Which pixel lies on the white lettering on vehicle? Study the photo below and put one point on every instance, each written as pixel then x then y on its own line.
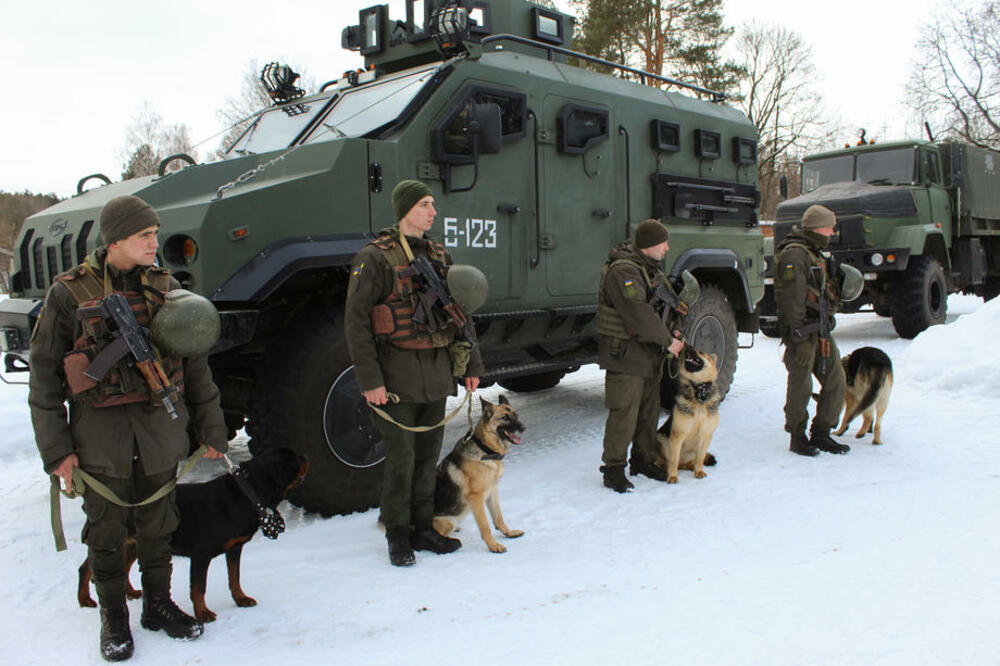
pixel 470 232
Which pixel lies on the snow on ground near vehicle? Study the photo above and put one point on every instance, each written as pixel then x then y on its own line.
pixel 884 556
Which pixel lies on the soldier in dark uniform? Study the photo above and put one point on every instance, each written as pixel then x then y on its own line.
pixel 394 354
pixel 116 430
pixel 633 344
pixel 802 278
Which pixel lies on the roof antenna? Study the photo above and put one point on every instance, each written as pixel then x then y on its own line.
pixel 930 135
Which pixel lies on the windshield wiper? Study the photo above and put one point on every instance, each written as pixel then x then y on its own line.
pixel 334 128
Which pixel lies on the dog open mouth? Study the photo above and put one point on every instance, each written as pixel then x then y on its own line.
pixel 507 432
pixel 692 362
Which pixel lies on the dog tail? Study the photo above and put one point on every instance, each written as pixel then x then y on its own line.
pixel 876 377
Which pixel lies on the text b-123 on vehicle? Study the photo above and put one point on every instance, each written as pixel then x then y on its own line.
pixel 473 233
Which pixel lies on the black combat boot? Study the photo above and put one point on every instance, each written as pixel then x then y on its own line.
pixel 425 537
pixel 160 612
pixel 400 551
pixel 801 445
pixel 116 637
pixel 821 440
pixel 614 478
pixel 639 463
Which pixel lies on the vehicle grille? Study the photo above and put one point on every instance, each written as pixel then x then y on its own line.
pixel 40 263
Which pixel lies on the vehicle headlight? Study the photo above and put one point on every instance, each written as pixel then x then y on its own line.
pixel 876 259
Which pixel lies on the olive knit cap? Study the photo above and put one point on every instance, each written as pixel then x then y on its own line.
pixel 817 217
pixel 124 216
pixel 649 233
pixel 406 194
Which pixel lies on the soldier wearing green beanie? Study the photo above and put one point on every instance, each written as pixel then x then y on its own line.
pixel 392 353
pixel 115 429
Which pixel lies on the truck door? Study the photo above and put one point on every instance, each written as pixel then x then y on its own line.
pixel 578 197
pixel 938 202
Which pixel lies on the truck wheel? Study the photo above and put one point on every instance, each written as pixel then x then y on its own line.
pixel 991 289
pixel 710 326
pixel 767 308
pixel 536 382
pixel 306 398
pixel 919 297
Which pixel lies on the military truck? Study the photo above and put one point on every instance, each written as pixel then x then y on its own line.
pixel 539 167
pixel 919 219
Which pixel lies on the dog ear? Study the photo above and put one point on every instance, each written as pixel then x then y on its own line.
pixel 487 407
pixel 714 357
pixel 503 399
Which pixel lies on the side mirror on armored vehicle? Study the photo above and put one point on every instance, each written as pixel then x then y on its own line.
pixel 485 128
pixel 783 187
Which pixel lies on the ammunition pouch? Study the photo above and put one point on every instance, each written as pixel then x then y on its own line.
pixel 460 352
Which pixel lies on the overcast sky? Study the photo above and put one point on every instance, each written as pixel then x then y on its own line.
pixel 78 72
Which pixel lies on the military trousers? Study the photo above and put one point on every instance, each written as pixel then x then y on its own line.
pixel 108 525
pixel 633 411
pixel 799 391
pixel 410 463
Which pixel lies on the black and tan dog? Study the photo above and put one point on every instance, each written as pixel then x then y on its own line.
pixel 468 477
pixel 686 435
pixel 217 517
pixel 869 383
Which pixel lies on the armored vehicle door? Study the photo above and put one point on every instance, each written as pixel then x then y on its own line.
pixel 579 212
pixel 939 206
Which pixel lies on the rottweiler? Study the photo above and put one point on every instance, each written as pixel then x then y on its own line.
pixel 217 517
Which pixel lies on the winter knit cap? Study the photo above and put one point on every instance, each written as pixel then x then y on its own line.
pixel 817 217
pixel 405 196
pixel 124 216
pixel 649 233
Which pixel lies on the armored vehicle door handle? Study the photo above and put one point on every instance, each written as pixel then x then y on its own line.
pixel 601 212
pixel 508 208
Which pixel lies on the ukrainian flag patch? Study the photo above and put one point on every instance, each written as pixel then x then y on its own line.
pixel 357 269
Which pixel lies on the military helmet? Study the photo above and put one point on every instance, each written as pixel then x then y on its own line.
pixel 186 325
pixel 851 284
pixel 468 286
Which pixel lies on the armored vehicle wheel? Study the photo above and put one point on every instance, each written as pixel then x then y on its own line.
pixel 536 382
pixel 767 308
pixel 919 297
pixel 710 326
pixel 306 398
pixel 991 289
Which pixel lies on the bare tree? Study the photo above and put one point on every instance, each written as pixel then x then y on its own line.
pixel 778 97
pixel 148 141
pixel 955 84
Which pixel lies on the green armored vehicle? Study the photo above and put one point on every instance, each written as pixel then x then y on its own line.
pixel 919 219
pixel 538 166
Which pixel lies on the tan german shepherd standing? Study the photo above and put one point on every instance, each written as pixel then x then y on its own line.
pixel 869 383
pixel 468 477
pixel 695 416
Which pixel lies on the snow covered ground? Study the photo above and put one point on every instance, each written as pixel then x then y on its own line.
pixel 888 555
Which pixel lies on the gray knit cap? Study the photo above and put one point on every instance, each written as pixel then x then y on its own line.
pixel 817 217
pixel 124 216
pixel 649 233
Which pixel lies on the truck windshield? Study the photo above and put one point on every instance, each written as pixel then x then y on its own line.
pixel 825 171
pixel 277 127
pixel 358 111
pixel 886 167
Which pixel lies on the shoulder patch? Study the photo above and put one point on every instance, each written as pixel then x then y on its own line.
pixel 629 288
pixel 788 271
pixel 357 269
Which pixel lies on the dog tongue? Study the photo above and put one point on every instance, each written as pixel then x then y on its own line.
pixel 514 438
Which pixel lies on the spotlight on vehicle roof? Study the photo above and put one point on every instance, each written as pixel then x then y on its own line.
pixel 279 82
pixel 449 26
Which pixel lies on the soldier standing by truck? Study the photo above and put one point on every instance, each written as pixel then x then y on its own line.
pixel 807 297
pixel 399 344
pixel 632 337
pixel 117 430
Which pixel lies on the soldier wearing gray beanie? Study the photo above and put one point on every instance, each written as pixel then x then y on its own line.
pixel 126 215
pixel 649 233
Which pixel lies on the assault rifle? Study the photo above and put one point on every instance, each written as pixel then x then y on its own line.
pixel 436 292
pixel 670 302
pixel 824 316
pixel 129 339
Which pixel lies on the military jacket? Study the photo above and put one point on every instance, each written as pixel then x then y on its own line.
pixel 795 285
pixel 106 439
pixel 624 297
pixel 415 375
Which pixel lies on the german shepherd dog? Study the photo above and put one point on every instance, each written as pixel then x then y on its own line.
pixel 468 477
pixel 217 517
pixel 685 436
pixel 869 382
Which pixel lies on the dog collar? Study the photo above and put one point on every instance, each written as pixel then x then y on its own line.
pixel 488 453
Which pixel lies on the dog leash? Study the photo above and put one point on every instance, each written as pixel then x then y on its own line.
pixel 270 521
pixel 81 479
pixel 395 399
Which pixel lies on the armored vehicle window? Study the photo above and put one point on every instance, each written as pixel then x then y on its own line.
pixel 837 169
pixel 450 137
pixel 666 136
pixel 929 166
pixel 886 167
pixel 744 151
pixel 277 127
pixel 361 110
pixel 707 144
pixel 580 128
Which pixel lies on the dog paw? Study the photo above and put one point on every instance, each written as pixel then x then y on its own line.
pixel 513 534
pixel 700 475
pixel 496 547
pixel 133 594
pixel 859 435
pixel 245 602
pixel 87 603
pixel 877 443
pixel 671 479
pixel 205 616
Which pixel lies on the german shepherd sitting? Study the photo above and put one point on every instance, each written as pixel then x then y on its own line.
pixel 217 517
pixel 869 382
pixel 468 477
pixel 685 436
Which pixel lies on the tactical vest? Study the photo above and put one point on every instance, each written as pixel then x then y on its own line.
pixel 392 319
pixel 813 290
pixel 609 322
pixel 123 384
